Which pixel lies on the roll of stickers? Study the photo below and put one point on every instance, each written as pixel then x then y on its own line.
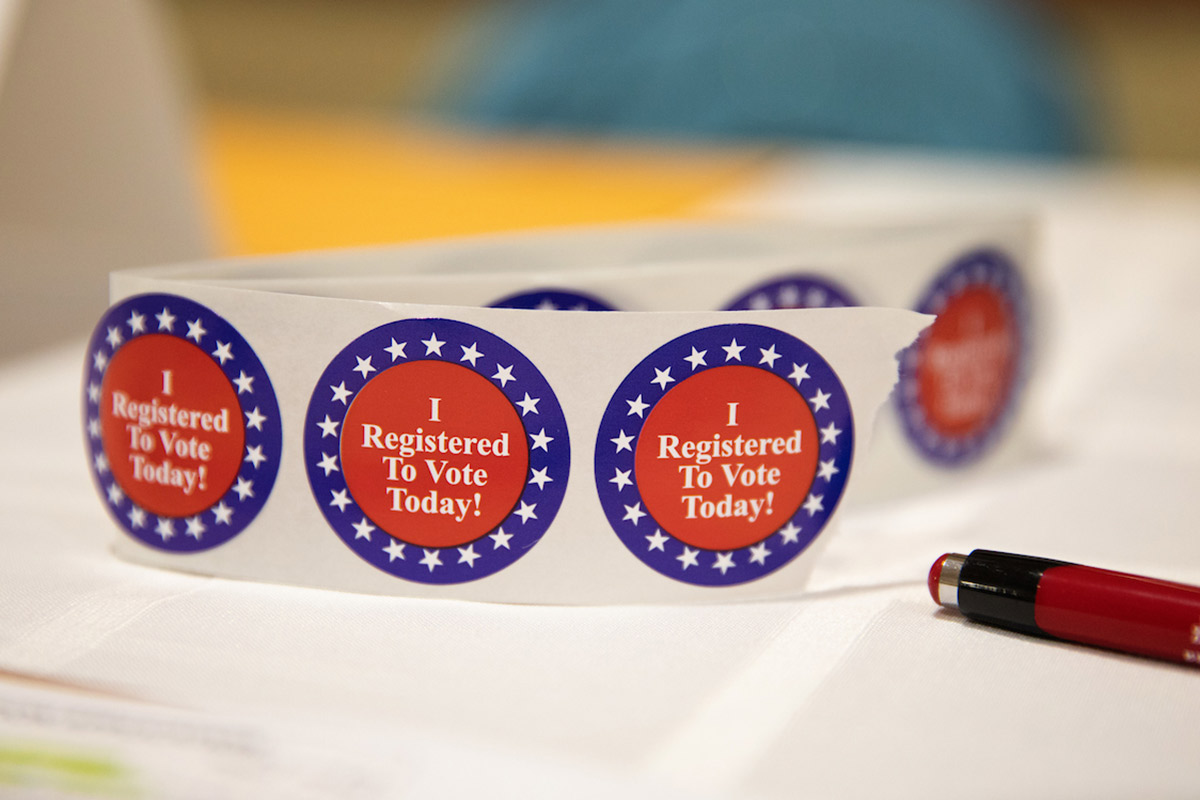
pixel 440 420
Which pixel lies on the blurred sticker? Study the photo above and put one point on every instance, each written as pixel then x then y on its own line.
pixel 960 381
pixel 794 291
pixel 182 423
pixel 553 300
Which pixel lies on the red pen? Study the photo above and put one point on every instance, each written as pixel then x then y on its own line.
pixel 1067 601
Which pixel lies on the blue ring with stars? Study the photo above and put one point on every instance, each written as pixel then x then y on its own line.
pixel 199 326
pixel 509 371
pixel 995 270
pixel 722 345
pixel 794 291
pixel 553 300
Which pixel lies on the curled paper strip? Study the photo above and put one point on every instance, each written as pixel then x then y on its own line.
pixel 362 421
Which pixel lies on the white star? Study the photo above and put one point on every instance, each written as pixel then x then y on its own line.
pixel 830 433
pixel 759 302
pixel 528 405
pixel 223 513
pixel 101 462
pixel 223 352
pixel 364 366
pixel 789 533
pixel 362 529
pixel 431 558
pixel 759 553
pixel 328 427
pixel 467 555
pixel 657 540
pixel 432 347
pixel 733 350
pixel 244 488
pixel 99 361
pixel 769 356
pixel 827 470
pixel 114 337
pixel 340 499
pixel 328 463
pixel 724 562
pixel 799 373
pixel 503 374
pixel 340 393
pixel 94 392
pixel 540 440
pixel 195 527
pixel 470 354
pixel 633 513
pixel 255 455
pixel 396 349
pixel 623 441
pixel 500 538
pixel 115 495
pixel 255 419
pixel 94 428
pixel 136 323
pixel 662 377
pixel 789 296
pixel 688 557
pixel 137 517
pixel 525 512
pixel 820 400
pixel 696 359
pixel 540 477
pixel 165 528
pixel 813 504
pixel 166 321
pixel 621 479
pixel 245 383
pixel 636 406
pixel 196 330
pixel 394 550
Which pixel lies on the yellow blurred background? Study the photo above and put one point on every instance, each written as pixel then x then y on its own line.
pixel 306 141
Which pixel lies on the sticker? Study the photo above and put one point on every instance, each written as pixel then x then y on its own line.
pixel 436 450
pixel 722 455
pixel 794 291
pixel 959 382
pixel 182 425
pixel 553 300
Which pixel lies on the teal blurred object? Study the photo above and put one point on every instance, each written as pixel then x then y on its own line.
pixel 958 74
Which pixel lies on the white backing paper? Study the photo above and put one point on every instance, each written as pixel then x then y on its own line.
pixel 299 312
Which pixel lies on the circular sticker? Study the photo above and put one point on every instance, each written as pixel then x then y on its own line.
pixel 553 300
pixel 721 455
pixel 436 450
pixel 794 291
pixel 959 381
pixel 182 424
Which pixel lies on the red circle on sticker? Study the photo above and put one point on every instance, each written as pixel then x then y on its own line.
pixel 434 453
pixel 726 457
pixel 967 362
pixel 171 424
